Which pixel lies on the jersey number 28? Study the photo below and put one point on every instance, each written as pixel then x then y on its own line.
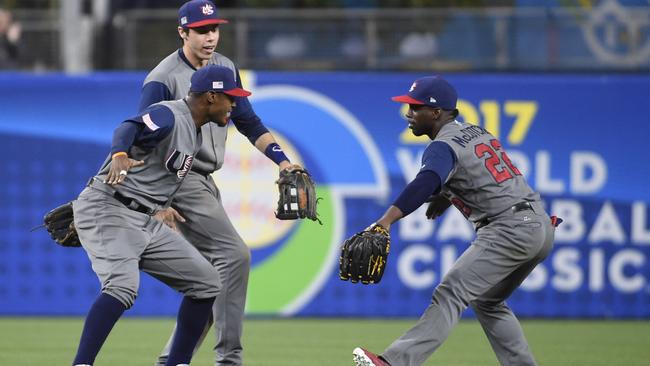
pixel 496 158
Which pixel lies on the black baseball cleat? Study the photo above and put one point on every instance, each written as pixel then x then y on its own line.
pixel 362 357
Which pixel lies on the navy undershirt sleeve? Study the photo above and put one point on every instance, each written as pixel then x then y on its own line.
pixel 439 158
pixel 438 161
pixel 124 135
pixel 245 119
pixel 145 130
pixel 425 184
pixel 153 92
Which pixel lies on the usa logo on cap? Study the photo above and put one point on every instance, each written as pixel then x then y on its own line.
pixel 207 9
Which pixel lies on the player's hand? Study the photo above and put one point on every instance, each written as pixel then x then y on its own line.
pixel 120 166
pixel 381 223
pixel 437 206
pixel 169 217
pixel 285 165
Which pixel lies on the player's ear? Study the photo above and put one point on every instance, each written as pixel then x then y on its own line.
pixel 211 97
pixel 182 32
pixel 214 97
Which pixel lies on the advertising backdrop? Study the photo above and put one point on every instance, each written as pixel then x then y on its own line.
pixel 579 139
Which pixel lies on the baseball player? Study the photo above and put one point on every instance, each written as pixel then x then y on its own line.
pixel 114 215
pixel 197 210
pixel 468 167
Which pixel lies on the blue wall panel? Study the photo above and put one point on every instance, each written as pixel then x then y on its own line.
pixel 580 140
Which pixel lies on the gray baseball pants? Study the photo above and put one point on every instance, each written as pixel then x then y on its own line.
pixel 209 229
pixel 120 242
pixel 500 258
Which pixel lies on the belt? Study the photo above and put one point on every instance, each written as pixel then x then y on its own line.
pixel 130 203
pixel 521 206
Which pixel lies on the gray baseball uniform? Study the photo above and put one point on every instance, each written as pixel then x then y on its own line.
pixel 514 234
pixel 207 226
pixel 114 222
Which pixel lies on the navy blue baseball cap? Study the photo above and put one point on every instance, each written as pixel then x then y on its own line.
pixel 218 79
pixel 432 91
pixel 197 13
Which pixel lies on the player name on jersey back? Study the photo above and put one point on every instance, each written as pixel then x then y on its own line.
pixel 468 134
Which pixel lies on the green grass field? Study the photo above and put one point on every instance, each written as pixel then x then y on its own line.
pixel 326 342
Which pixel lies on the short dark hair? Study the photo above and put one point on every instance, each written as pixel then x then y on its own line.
pixel 195 94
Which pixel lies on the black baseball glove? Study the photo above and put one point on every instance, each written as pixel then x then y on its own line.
pixel 297 195
pixel 438 204
pixel 59 223
pixel 364 255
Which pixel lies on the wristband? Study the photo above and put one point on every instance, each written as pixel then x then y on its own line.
pixel 121 153
pixel 275 153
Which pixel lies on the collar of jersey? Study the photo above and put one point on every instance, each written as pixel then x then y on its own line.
pixel 182 56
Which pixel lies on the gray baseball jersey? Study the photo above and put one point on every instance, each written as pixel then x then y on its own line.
pixel 120 241
pixel 198 200
pixel 174 73
pixel 165 166
pixel 483 182
pixel 517 234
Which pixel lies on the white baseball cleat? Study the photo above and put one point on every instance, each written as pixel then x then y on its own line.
pixel 362 357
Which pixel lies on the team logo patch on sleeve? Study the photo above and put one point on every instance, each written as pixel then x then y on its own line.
pixel 149 122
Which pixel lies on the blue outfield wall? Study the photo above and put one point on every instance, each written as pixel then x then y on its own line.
pixel 580 140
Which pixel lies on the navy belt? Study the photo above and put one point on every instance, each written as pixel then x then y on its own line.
pixel 515 208
pixel 130 203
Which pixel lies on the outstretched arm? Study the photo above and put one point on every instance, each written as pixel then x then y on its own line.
pixel 250 125
pixel 390 216
pixel 413 196
pixel 438 161
pixel 266 145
